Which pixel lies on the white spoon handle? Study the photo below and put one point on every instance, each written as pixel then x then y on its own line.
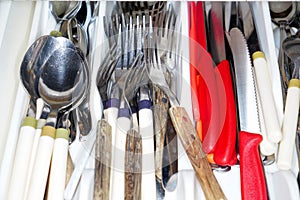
pixel 286 146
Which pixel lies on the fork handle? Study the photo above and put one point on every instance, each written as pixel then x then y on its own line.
pixel 193 147
pixel 148 162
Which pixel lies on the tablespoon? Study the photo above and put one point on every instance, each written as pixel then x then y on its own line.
pixel 34 58
pixel 283 13
pixel 62 85
pixel 64 10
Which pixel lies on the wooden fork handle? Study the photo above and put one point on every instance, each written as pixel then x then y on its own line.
pixel 193 147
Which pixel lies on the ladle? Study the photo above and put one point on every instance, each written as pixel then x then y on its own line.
pixel 62 84
pixel 35 57
pixel 291 47
pixel 283 13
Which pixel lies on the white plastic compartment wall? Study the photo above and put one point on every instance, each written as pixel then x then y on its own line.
pixel 281 185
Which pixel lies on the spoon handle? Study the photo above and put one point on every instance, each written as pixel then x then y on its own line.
pixel 37 135
pixel 286 146
pixel 58 165
pixel 41 165
pixel 22 158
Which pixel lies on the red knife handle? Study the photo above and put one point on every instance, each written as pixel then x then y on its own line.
pixel 225 151
pixel 253 183
pixel 204 104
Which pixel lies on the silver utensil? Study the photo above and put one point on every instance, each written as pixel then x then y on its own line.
pixel 272 128
pixel 187 134
pixel 64 10
pixel 34 59
pixel 62 83
pixel 283 13
pixel 252 174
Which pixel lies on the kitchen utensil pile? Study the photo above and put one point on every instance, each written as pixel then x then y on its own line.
pixel 235 114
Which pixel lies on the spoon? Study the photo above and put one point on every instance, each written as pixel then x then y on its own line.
pixel 291 47
pixel 76 33
pixel 34 58
pixel 64 10
pixel 283 13
pixel 62 85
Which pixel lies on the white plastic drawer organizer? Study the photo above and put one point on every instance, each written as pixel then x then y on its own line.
pixel 124 142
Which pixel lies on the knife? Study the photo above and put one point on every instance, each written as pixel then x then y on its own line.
pixel 208 126
pixel 271 121
pixel 225 151
pixel 253 183
pixel 196 29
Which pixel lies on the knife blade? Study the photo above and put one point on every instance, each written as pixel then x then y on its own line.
pixel 225 151
pixel 273 129
pixel 253 183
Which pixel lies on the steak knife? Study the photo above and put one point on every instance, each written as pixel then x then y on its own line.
pixel 253 183
pixel 225 150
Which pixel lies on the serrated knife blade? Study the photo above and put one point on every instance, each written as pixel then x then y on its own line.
pixel 253 183
pixel 247 102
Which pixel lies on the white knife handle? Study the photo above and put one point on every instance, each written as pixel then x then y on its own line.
pixel 118 153
pixel 265 92
pixel 41 165
pixel 148 160
pixel 286 146
pixel 22 158
pixel 37 135
pixel 58 165
pixel 266 147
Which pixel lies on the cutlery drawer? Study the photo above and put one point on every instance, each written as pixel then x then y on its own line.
pixel 281 184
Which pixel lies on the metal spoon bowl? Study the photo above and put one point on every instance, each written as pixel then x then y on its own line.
pixel 64 79
pixel 64 10
pixel 35 58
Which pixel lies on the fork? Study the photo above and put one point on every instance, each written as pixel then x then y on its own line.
pixel 104 74
pixel 187 134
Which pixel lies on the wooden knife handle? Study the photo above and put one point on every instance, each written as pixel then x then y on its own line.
pixel 225 152
pixel 192 145
pixel 253 183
